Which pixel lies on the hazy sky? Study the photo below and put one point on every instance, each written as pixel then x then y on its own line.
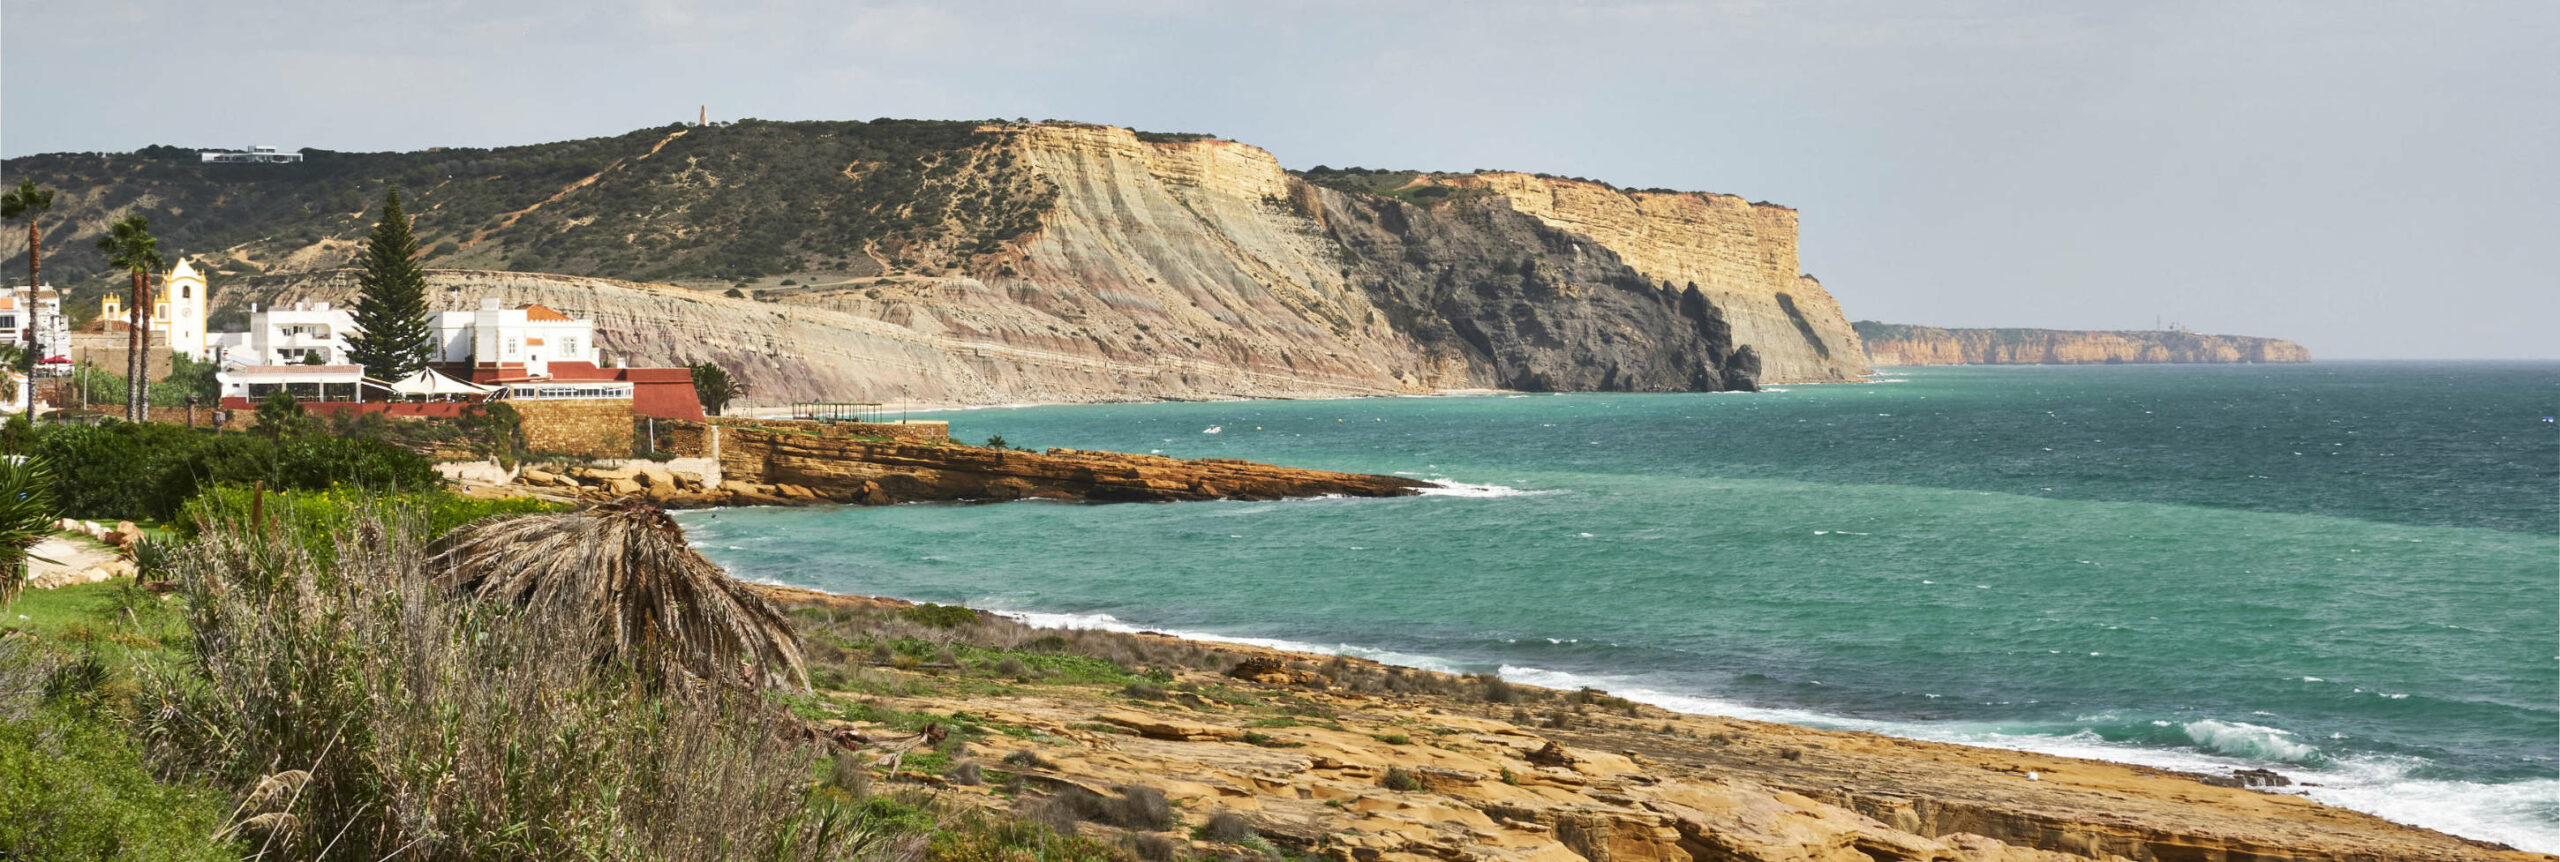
pixel 2372 179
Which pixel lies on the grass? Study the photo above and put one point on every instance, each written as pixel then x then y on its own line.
pixel 74 782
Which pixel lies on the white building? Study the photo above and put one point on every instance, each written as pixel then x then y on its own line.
pixel 304 382
pixel 260 155
pixel 290 335
pixel 518 342
pixel 39 309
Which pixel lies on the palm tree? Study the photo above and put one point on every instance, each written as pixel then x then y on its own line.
pixel 26 517
pixel 128 244
pixel 26 202
pixel 713 385
pixel 621 575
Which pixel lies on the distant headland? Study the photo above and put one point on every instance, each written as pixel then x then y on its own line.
pixel 1903 344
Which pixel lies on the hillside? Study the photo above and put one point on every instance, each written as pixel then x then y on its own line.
pixel 1003 262
pixel 1900 344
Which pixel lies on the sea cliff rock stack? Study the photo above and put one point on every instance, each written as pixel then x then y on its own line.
pixel 1898 344
pixel 1011 262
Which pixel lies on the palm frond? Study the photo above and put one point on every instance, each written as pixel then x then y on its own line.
pixel 622 574
pixel 27 514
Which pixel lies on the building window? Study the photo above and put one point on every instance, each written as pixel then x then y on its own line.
pixel 186 291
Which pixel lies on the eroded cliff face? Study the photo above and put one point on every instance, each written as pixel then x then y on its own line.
pixel 1157 270
pixel 1528 306
pixel 1898 344
pixel 1741 255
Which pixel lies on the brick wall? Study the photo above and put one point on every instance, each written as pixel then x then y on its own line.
pixel 595 428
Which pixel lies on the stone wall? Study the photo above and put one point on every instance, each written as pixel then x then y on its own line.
pixel 594 428
pixel 107 351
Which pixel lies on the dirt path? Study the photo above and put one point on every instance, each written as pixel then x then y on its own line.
pixel 70 556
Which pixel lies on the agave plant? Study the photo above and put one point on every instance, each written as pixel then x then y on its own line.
pixel 621 572
pixel 27 516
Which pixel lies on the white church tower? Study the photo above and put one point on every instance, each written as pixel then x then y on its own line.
pixel 180 311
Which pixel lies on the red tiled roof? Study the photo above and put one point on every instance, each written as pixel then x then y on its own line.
pixel 666 399
pixel 537 311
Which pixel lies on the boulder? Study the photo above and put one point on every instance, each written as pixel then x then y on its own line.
pixel 610 474
pixel 1272 671
pixel 532 476
pixel 622 487
pixel 655 476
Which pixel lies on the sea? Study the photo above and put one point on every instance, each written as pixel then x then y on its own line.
pixel 2345 572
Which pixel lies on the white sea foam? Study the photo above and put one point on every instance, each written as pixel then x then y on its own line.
pixel 1447 488
pixel 2522 814
pixel 2250 741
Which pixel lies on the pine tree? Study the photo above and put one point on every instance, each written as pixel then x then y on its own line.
pixel 393 336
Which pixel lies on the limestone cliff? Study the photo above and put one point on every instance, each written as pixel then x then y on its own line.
pixel 1004 262
pixel 1741 255
pixel 1154 269
pixel 1898 344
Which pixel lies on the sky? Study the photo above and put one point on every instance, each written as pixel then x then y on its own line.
pixel 2372 179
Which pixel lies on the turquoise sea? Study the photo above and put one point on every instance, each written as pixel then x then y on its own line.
pixel 2348 572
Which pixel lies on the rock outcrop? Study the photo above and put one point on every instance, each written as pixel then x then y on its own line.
pixel 805 464
pixel 1377 763
pixel 1900 344
pixel 880 472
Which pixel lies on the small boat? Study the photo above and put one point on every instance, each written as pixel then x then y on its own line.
pixel 1215 429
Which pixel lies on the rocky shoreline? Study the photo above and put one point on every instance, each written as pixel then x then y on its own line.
pixel 1347 759
pixel 760 467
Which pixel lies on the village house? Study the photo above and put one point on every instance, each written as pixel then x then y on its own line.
pixel 527 353
pixel 519 342
pixel 35 311
pixel 303 333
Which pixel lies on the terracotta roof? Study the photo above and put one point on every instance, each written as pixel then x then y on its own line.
pixel 538 311
pixel 8 303
pixel 533 342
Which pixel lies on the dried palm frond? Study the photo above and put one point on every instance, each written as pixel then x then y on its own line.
pixel 621 573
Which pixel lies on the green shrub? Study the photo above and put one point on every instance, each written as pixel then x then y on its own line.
pixel 318 519
pixel 939 616
pixel 1398 778
pixel 148 470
